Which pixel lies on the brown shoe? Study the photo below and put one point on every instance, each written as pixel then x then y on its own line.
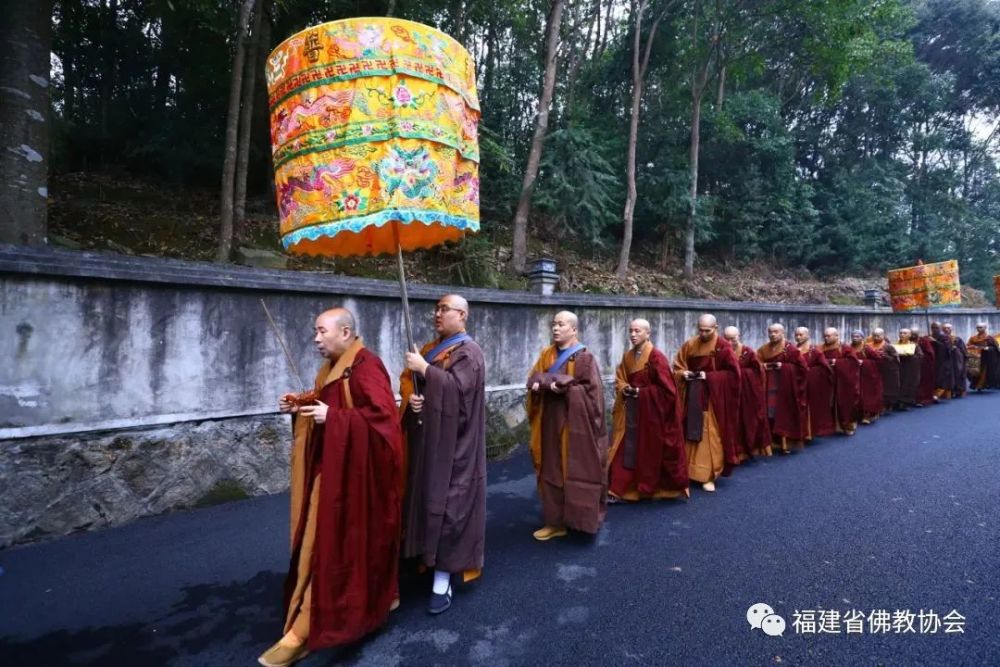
pixel 283 656
pixel 548 532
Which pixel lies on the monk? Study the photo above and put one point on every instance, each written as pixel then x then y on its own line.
pixel 888 366
pixel 927 389
pixel 569 437
pixel 959 356
pixel 819 386
pixel 754 433
pixel 910 359
pixel 985 347
pixel 346 468
pixel 871 404
pixel 847 380
pixel 945 368
pixel 708 375
pixel 647 447
pixel 444 512
pixel 787 404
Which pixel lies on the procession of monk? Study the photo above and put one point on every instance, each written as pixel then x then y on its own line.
pixel 374 485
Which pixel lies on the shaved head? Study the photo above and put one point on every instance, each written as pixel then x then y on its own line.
pixel 707 320
pixel 564 329
pixel 450 315
pixel 638 333
pixel 335 331
pixel 337 317
pixel 707 327
pixel 569 317
pixel 731 331
pixel 802 335
pixel 455 301
pixel 641 323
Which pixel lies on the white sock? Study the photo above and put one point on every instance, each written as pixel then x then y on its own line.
pixel 442 581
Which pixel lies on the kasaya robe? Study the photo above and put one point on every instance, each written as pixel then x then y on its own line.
pixel 345 505
pixel 569 440
pixel 444 511
pixel 711 406
pixel 754 431
pixel 959 354
pixel 787 401
pixel 986 348
pixel 927 389
pixel 871 403
pixel 945 367
pixel 847 385
pixel 910 368
pixel 888 366
pixel 819 391
pixel 647 454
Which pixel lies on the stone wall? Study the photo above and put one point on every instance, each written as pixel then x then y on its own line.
pixel 131 386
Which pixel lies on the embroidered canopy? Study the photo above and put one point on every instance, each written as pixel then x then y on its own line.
pixel 373 121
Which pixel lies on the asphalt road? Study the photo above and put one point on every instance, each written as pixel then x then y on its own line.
pixel 902 517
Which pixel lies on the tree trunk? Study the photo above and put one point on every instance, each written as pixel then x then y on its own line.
pixel 391 9
pixel 246 122
pixel 689 227
pixel 638 74
pixel 720 95
pixel 25 45
pixel 69 61
pixel 458 21
pixel 520 254
pixel 225 248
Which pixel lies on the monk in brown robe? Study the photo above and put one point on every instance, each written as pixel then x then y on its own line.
pixel 345 505
pixel 569 437
pixel 870 405
pixel 647 453
pixel 787 402
pixel 847 377
pixel 945 369
pixel 911 357
pixel 708 376
pixel 985 348
pixel 888 366
pixel 819 386
pixel 959 356
pixel 927 389
pixel 754 432
pixel 444 512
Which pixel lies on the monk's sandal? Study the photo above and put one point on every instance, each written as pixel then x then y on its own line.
pixel 440 602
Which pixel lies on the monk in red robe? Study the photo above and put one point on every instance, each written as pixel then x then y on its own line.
pixel 888 366
pixel 647 453
pixel 943 361
pixel 911 358
pixel 444 510
pixel 847 378
pixel 985 348
pixel 569 437
pixel 787 403
pixel 870 406
pixel 708 376
pixel 754 433
pixel 345 503
pixel 927 389
pixel 959 361
pixel 819 386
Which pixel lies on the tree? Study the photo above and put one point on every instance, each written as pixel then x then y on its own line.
pixel 25 37
pixel 639 67
pixel 520 241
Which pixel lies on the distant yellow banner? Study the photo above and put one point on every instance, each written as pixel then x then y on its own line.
pixel 996 290
pixel 925 286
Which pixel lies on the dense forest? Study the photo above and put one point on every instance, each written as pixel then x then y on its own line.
pixel 833 135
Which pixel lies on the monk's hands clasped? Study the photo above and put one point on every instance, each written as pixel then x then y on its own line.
pixel 416 403
pixel 317 411
pixel 415 361
pixel 286 405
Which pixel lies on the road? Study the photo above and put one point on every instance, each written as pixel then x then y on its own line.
pixel 901 517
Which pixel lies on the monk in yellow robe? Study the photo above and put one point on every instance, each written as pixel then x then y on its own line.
pixel 708 375
pixel 569 437
pixel 986 349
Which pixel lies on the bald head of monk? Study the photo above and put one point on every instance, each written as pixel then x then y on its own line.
pixel 707 327
pixel 831 336
pixel 732 334
pixel 878 334
pixel 947 328
pixel 335 331
pixel 982 328
pixel 904 335
pixel 776 333
pixel 564 329
pixel 450 315
pixel 802 335
pixel 935 327
pixel 638 332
